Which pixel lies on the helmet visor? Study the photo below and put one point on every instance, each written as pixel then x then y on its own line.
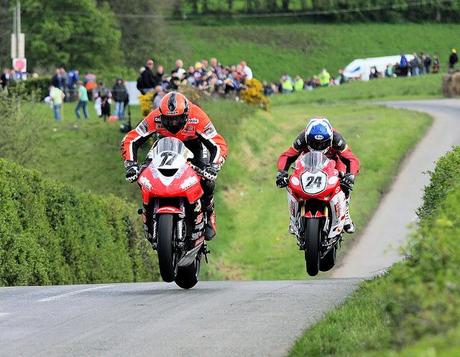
pixel 174 123
pixel 319 145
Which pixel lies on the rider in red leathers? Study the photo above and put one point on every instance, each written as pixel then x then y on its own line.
pixel 179 118
pixel 320 136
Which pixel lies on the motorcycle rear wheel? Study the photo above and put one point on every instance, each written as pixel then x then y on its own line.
pixel 312 236
pixel 165 247
pixel 187 277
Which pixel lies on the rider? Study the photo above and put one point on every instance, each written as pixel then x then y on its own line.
pixel 320 136
pixel 179 118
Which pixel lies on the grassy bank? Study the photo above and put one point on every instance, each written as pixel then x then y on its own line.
pixel 54 234
pixel 273 48
pixel 252 213
pixel 415 308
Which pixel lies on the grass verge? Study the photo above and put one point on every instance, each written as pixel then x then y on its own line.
pixel 415 308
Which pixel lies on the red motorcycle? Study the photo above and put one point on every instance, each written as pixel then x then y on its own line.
pixel 174 219
pixel 317 207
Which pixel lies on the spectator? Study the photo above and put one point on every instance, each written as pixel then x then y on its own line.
pixel 389 71
pixel 342 78
pixel 90 83
pixel 104 95
pixel 179 70
pixel 427 63
pixel 146 81
pixel 57 96
pixel 159 75
pixel 82 94
pixel 247 70
pixel 374 73
pixel 57 81
pixel 415 65
pixel 119 95
pixel 453 59
pixel 5 78
pixel 101 100
pixel 159 94
pixel 298 83
pixel 324 78
pixel 403 65
pixel 436 64
pixel 286 84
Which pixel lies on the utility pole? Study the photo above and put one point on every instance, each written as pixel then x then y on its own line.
pixel 18 42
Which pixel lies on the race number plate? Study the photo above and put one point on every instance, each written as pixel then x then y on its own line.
pixel 314 183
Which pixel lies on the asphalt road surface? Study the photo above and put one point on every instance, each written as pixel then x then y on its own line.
pixel 260 318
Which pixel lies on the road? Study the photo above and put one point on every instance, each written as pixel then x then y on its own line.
pixel 261 318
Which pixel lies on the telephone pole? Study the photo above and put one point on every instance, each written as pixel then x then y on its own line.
pixel 18 41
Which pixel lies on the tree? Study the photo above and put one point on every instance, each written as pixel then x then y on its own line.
pixel 77 34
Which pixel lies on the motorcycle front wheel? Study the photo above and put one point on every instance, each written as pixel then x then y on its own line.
pixel 165 247
pixel 328 261
pixel 187 277
pixel 312 236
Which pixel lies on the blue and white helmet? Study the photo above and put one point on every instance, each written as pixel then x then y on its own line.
pixel 318 134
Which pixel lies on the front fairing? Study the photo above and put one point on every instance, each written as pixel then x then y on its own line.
pixel 319 183
pixel 184 183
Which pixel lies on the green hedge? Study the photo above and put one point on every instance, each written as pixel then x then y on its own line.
pixel 54 234
pixel 416 306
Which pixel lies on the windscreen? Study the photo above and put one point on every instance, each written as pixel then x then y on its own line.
pixel 314 161
pixel 170 145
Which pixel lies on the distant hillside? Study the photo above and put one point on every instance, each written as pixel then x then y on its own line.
pixel 274 48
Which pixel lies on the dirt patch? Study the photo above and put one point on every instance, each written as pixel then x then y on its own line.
pixel 451 84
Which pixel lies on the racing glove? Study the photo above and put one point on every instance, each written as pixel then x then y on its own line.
pixel 282 179
pixel 210 172
pixel 132 170
pixel 347 182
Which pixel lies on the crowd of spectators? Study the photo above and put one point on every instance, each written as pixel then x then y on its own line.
pixel 211 77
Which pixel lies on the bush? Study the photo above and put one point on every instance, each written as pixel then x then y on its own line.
pixel 442 182
pixel 254 94
pixel 54 234
pixel 146 103
pixel 19 139
pixel 38 87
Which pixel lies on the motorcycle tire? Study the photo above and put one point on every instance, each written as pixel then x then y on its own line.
pixel 328 261
pixel 165 247
pixel 312 236
pixel 187 277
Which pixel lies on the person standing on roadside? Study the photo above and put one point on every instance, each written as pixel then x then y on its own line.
pixel 453 59
pixel 82 94
pixel 119 94
pixel 147 82
pixel 57 96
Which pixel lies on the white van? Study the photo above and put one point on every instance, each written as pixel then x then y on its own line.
pixel 361 68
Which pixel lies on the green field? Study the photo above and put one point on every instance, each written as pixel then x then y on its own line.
pixel 273 48
pixel 414 310
pixel 252 214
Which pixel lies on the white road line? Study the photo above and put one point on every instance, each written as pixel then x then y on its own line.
pixel 60 296
pixel 4 314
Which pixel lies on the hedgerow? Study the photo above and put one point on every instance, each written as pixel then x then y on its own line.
pixel 54 234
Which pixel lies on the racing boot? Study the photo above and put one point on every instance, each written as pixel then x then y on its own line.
pixel 348 227
pixel 211 228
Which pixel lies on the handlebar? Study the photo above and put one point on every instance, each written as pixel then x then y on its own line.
pixel 203 173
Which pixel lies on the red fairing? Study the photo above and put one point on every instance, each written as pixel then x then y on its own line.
pixel 331 188
pixel 183 184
